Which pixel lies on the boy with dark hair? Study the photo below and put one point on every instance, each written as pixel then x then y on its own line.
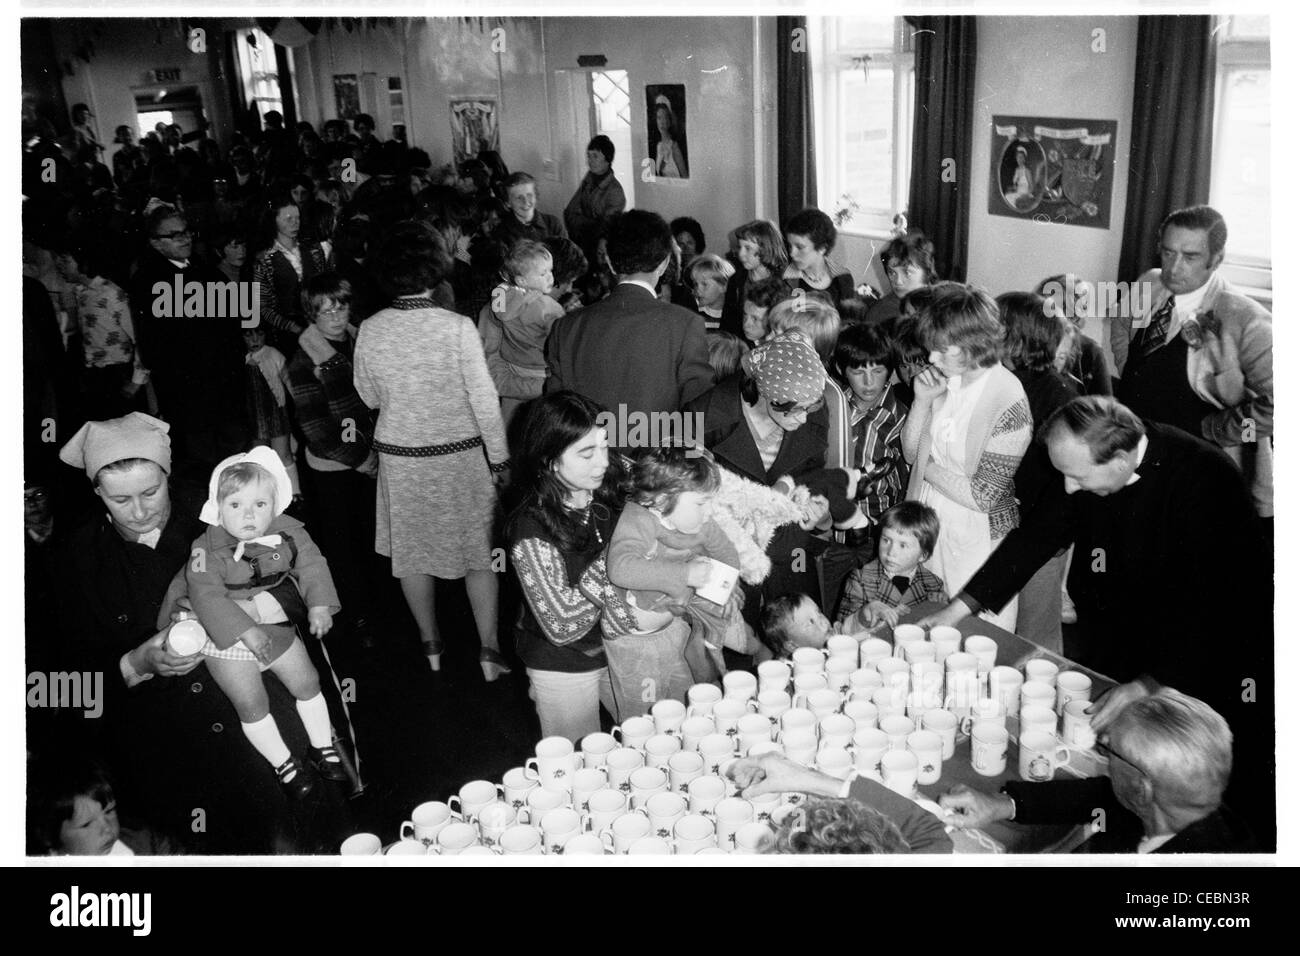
pixel 897 579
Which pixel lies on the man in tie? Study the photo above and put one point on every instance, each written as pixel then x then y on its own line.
pixel 196 362
pixel 1201 357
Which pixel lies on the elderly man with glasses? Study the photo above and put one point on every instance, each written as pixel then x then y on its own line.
pixel 1170 757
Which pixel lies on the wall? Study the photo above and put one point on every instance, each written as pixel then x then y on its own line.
pixel 713 57
pixel 125 54
pixel 1045 66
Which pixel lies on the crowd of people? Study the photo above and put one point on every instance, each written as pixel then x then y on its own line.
pixel 436 372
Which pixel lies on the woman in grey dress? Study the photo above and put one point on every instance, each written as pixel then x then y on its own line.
pixel 441 444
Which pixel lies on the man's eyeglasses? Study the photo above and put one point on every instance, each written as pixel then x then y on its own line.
pixel 178 234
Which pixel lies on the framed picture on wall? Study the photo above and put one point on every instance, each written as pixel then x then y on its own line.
pixel 665 106
pixel 474 126
pixel 347 96
pixel 1052 170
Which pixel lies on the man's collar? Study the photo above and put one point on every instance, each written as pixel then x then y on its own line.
pixel 1133 479
pixel 180 263
pixel 644 285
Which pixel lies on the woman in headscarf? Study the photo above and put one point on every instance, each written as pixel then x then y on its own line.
pixel 167 731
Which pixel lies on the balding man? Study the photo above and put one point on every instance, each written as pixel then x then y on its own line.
pixel 1170 759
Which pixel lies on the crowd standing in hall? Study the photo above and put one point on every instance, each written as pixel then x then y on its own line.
pixel 443 374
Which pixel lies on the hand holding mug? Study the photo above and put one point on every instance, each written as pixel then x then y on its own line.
pixel 697 572
pixel 154 657
pixel 969 808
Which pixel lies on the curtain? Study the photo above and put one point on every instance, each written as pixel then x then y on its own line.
pixel 1173 131
pixel 796 166
pixel 939 197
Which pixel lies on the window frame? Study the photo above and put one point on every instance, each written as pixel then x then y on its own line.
pixel 1254 273
pixel 830 60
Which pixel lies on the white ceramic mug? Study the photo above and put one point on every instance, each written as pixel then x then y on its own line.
pixel 603 807
pixel 558 827
pixel 693 833
pixel 773 675
pixel 869 745
pixel 1040 755
pixel 927 746
pixel 684 767
pixel 494 820
pixel 695 729
pixel 842 647
pixel 839 671
pixel 750 730
pixel 898 771
pixel 516 784
pixel 905 634
pixel 668 716
pixel 718 750
pixel 985 650
pixel 1041 669
pixel 988 749
pixel 729 815
pixel 946 640
pixel 664 810
pixel 541 801
pixel 896 728
pixel 660 747
pixel 800 745
pixel 473 797
pixel 944 723
pixel 701 698
pixel 586 782
pixel 1037 718
pixel 986 710
pixel 364 844
pixel 1072 685
pixel 753 837
pixel 837 730
pixel 585 844
pixel 962 671
pixel 863 682
pixel 918 652
pixel 773 703
pixel 807 683
pixel 1004 687
pixel 596 747
pixel 456 837
pixel 1037 693
pixel 728 711
pixel 627 829
pixel 426 821
pixel 889 702
pixel 646 782
pixel 823 702
pixel 521 840
pixel 634 732
pixel 798 718
pixel 808 660
pixel 873 650
pixel 895 672
pixel 703 793
pixel 764 805
pixel 554 763
pixel 619 766
pixel 739 685
pixel 863 713
pixel 1076 725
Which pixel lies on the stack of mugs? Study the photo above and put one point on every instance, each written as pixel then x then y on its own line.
pixel 658 784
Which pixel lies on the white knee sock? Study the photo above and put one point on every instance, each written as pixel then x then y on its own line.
pixel 266 740
pixel 316 718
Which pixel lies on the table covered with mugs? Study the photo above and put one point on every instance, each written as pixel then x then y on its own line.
pixel 918 710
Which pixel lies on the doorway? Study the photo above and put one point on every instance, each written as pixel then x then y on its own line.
pixel 592 102
pixel 181 105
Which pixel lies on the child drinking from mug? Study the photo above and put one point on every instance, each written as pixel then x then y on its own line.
pixel 256 581
pixel 657 559
pixel 792 621
pixel 896 580
pixel 515 323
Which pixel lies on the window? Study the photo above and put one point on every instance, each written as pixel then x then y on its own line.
pixel 258 72
pixel 147 121
pixel 1240 171
pixel 863 96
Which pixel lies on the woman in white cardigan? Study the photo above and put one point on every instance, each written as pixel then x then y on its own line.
pixel 965 434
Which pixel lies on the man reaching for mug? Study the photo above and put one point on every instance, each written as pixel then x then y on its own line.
pixel 1170 759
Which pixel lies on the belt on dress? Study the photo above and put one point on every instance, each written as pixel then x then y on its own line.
pixel 428 451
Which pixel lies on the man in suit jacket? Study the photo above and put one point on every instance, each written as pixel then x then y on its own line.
pixel 631 353
pixel 1170 756
pixel 1160 522
pixel 1219 384
pixel 196 362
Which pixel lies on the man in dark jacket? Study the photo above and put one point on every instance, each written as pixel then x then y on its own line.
pixel 1160 522
pixel 196 362
pixel 1170 757
pixel 631 353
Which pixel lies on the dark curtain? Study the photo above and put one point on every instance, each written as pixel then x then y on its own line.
pixel 939 198
pixel 288 107
pixel 796 166
pixel 1173 131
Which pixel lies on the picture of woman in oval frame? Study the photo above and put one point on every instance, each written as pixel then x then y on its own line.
pixel 665 112
pixel 1020 174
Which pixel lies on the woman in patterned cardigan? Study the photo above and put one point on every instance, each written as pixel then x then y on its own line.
pixel 281 270
pixel 965 434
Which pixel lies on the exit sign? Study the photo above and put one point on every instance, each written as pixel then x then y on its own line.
pixel 167 76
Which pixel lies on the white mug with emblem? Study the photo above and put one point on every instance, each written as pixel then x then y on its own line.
pixel 837 731
pixel 627 829
pixel 839 670
pixel 1076 725
pixel 664 810
pixel 824 702
pixel 899 770
pixel 863 713
pixel 516 784
pixel 808 660
pixel 870 744
pixel 944 723
pixel 558 827
pixel 927 746
pixel 895 672
pixel 684 767
pixel 473 797
pixel 659 748
pixel 363 844
pixel 730 815
pixel 586 782
pixel 753 837
pixel 896 728
pixel 646 782
pixel 863 682
pixel 457 837
pixel 1037 693
pixel 765 804
pixel 703 793
pixel 695 729
pixel 889 701
pixel 1040 755
pixel 668 716
pixel 986 710
pixel 554 764
pixel 773 703
pixel 693 833
pixel 752 729
pixel 634 732
pixel 805 684
pixel 603 807
pixel 988 749
pixel 842 647
pixel 717 750
pixel 1072 685
pixel 619 766
pixel 539 802
pixel 1037 718
pixel 427 820
pixel 596 747
pixel 728 711
pixel 494 820
pixel 701 698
